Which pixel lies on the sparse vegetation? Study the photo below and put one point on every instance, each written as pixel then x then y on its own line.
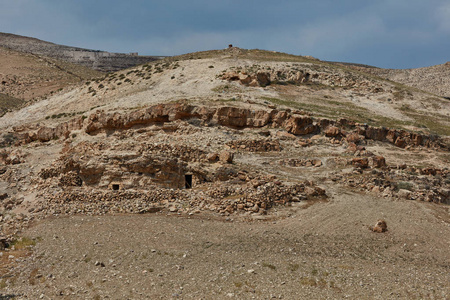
pixel 404 186
pixel 23 243
pixel 7 140
pixel 270 266
pixel 293 267
pixel 63 115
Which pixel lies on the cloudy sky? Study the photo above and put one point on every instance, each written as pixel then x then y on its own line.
pixel 383 33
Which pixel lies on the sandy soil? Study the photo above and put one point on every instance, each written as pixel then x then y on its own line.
pixel 325 251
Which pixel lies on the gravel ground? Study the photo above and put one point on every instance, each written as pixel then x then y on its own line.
pixel 324 251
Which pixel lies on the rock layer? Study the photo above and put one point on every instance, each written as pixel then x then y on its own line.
pixel 233 117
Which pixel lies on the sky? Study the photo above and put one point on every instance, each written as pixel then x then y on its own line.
pixel 383 33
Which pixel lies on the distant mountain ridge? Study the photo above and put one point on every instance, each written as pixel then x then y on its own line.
pixel 95 59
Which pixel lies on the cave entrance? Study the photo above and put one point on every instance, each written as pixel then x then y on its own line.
pixel 188 181
pixel 115 187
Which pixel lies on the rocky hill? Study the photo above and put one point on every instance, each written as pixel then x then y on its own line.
pixel 255 174
pixel 94 59
pixel 434 79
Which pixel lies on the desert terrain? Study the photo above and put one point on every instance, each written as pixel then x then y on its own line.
pixel 228 174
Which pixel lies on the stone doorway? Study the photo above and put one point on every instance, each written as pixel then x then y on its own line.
pixel 188 181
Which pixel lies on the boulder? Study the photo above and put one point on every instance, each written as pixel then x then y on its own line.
pixel 353 138
pixel 360 162
pixel 213 157
pixel 332 131
pixel 45 134
pixel 300 125
pixel 380 226
pixel 377 162
pixel 263 78
pixel 226 157
pixel 352 148
pixel 245 79
pixel 400 142
pixel 404 194
pixel 375 133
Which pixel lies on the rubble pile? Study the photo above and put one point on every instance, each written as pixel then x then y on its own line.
pixel 183 152
pixel 221 197
pixel 263 145
pixel 295 162
pixel 402 182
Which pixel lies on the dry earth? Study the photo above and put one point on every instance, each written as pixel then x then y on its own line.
pixel 27 77
pixel 325 251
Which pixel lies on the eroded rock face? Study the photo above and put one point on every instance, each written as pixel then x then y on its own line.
pixel 233 117
pixel 260 78
pixel 375 133
pixel 300 125
pixel 239 117
pixel 257 76
pixel 45 134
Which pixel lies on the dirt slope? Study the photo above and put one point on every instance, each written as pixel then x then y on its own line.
pixel 324 251
pixel 434 79
pixel 336 91
pixel 29 77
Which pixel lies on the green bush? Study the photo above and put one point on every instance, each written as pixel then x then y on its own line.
pixel 403 185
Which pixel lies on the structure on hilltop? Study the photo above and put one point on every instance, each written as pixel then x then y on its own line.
pixel 95 59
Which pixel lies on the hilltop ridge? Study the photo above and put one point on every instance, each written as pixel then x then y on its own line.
pixel 25 77
pixel 95 59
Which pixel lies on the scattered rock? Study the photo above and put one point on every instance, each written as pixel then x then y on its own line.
pixel 226 157
pixel 380 226
pixel 404 194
